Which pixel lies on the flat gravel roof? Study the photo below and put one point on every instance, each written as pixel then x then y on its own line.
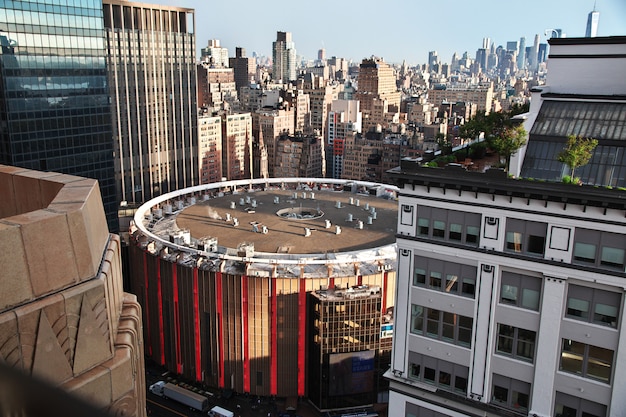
pixel 208 219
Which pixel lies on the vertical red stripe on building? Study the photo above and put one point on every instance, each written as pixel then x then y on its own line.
pixel 244 326
pixel 385 292
pixel 273 340
pixel 179 365
pixel 359 280
pixel 220 335
pixel 146 304
pixel 331 283
pixel 160 305
pixel 196 324
pixel 301 336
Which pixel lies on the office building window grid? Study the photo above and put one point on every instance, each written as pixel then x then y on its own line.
pixel 450 225
pixel 519 290
pixel 445 375
pixel 593 305
pixel 516 342
pixel 600 249
pixel 449 277
pixel 585 360
pixel 510 393
pixel 441 325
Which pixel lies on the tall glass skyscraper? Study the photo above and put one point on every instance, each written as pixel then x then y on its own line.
pixel 54 101
pixel 284 57
pixel 151 56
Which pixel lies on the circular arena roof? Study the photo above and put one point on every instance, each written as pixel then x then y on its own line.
pixel 323 224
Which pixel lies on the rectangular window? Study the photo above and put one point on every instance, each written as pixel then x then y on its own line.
pixel 586 360
pixel 569 406
pixel 448 277
pixel 510 393
pixel 471 235
pixel 593 305
pixel 442 325
pixel 456 232
pixel 612 257
pixel 523 236
pixel 601 249
pixel 435 280
pixel 417 319
pixel 520 290
pixel 423 226
pixel 469 287
pixel 444 375
pixel 514 241
pixel 439 229
pixel 515 342
pixel 420 277
pixel 585 252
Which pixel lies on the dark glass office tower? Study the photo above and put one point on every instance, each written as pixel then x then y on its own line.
pixel 54 101
pixel 151 59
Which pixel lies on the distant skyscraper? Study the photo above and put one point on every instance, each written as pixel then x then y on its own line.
pixel 54 101
pixel 214 54
pixel 521 57
pixel 244 68
pixel 433 59
pixel 152 79
pixel 543 52
pixel 512 46
pixel 486 43
pixel 321 54
pixel 284 57
pixel 532 59
pixel 592 24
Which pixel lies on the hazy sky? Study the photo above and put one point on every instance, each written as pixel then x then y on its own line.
pixel 393 29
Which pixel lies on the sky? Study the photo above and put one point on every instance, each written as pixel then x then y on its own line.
pixel 396 30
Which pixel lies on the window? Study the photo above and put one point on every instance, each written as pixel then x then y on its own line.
pixel 510 393
pixel 601 249
pixel 444 375
pixel 569 406
pixel 520 290
pixel 524 236
pixel 593 305
pixel 441 325
pixel 586 360
pixel 443 276
pixel 455 226
pixel 516 342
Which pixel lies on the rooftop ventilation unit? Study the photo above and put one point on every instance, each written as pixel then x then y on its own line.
pixel 349 217
pixel 307 232
pixel 338 204
pixel 245 250
pixel 327 224
pixel 232 205
pixel 337 230
pixel 180 237
pixel 276 200
pixel 167 208
pixel 208 244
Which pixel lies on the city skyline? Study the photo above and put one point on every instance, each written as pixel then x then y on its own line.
pixel 458 28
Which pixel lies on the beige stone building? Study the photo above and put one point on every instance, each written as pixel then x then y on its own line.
pixel 482 95
pixel 64 317
pixel 377 92
pixel 210 148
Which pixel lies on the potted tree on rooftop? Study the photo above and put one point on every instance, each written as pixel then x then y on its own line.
pixel 576 153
